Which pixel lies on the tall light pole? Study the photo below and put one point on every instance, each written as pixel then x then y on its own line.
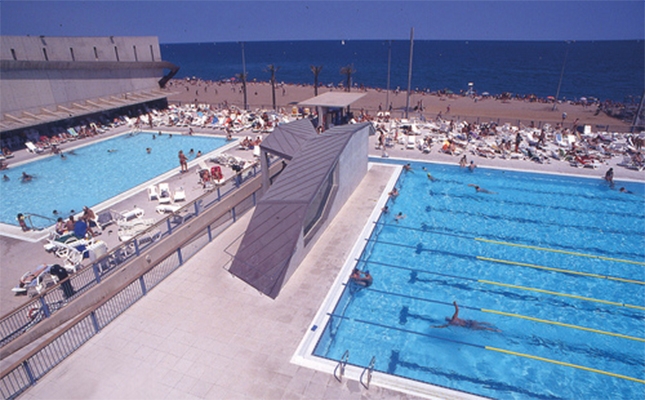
pixel 389 62
pixel 244 77
pixel 557 93
pixel 407 101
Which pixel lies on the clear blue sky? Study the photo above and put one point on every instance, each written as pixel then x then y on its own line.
pixel 227 21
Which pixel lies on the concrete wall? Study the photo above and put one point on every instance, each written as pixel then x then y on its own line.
pixel 30 82
pixel 352 167
pixel 30 48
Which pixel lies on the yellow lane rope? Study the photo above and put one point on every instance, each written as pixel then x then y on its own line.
pixel 573 296
pixel 566 364
pixel 567 271
pixel 560 251
pixel 546 321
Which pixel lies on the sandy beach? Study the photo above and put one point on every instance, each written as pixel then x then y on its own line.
pixel 515 112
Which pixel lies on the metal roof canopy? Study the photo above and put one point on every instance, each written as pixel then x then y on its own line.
pixel 287 139
pixel 332 100
pixel 277 225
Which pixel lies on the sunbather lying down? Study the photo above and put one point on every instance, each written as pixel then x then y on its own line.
pixel 30 279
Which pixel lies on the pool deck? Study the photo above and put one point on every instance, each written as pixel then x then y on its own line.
pixel 205 334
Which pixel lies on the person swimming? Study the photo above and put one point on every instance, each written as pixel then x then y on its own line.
pixel 363 279
pixel 467 323
pixel 481 189
pixel 26 177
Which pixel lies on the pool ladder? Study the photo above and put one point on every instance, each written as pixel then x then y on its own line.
pixel 339 371
pixel 369 371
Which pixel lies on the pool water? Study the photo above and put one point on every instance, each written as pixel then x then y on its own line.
pixel 555 263
pixel 94 173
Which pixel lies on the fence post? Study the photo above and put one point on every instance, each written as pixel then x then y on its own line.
pixel 169 226
pixel 136 247
pixel 144 291
pixel 97 273
pixel 233 213
pixel 210 233
pixel 196 208
pixel 32 379
pixel 181 259
pixel 95 322
pixel 44 307
pixel 254 199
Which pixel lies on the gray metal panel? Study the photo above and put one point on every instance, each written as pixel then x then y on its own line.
pixel 311 165
pixel 286 139
pixel 277 222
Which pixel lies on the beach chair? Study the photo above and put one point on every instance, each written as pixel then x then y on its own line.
pixel 34 280
pixel 411 142
pixel 32 148
pixel 179 195
pixel 153 194
pixel 167 208
pixel 93 251
pixel 164 193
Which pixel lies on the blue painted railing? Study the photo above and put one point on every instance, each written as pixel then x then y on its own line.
pixel 38 362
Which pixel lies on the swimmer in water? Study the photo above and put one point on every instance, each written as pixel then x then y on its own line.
pixel 481 189
pixel 467 323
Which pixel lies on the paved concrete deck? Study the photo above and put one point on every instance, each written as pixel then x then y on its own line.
pixel 205 334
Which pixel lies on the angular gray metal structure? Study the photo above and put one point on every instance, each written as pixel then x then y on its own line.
pixel 322 173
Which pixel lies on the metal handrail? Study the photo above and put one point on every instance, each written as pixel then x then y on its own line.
pixel 18 321
pixel 144 275
pixel 369 370
pixel 342 363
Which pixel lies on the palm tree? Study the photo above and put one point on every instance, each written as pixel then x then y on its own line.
pixel 316 70
pixel 272 69
pixel 348 70
pixel 242 77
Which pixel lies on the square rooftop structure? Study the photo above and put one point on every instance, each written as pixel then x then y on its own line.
pixel 319 178
pixel 332 106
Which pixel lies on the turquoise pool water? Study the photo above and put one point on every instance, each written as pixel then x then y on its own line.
pixel 93 174
pixel 556 263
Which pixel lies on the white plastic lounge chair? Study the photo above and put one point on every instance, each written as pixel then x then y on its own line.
pixel 411 142
pixel 92 251
pixel 128 215
pixel 165 196
pixel 180 195
pixel 153 194
pixel 33 148
pixel 167 208
pixel 33 280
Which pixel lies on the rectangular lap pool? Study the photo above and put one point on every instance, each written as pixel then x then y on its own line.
pixel 94 173
pixel 548 272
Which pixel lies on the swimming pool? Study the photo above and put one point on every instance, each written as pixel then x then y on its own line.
pixel 556 263
pixel 94 173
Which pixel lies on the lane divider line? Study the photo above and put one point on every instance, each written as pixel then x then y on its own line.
pixel 566 364
pixel 572 253
pixel 566 271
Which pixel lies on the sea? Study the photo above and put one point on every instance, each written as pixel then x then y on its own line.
pixel 604 70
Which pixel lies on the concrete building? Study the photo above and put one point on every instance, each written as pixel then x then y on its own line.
pixel 320 174
pixel 52 79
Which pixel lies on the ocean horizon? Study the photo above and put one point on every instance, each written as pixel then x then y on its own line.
pixel 604 70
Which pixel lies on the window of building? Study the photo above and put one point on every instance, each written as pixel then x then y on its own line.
pixel 45 54
pixel 315 214
pixel 13 54
pixel 71 51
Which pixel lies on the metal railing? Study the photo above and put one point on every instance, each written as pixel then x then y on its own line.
pixel 32 366
pixel 18 321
